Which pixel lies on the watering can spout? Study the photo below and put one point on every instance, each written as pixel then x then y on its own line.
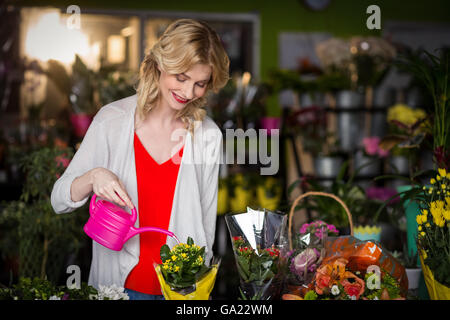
pixel 134 231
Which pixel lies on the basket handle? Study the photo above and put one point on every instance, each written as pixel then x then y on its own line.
pixel 316 193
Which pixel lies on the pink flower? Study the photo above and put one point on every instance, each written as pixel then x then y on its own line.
pixel 372 147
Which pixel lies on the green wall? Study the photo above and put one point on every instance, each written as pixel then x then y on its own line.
pixel 342 17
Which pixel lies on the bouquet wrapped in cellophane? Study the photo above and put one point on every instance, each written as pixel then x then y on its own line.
pixel 257 239
pixel 184 273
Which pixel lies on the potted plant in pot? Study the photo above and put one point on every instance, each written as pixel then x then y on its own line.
pixel 432 198
pixel 413 270
pixel 81 97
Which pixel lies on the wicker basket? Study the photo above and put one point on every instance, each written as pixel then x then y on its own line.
pixel 316 193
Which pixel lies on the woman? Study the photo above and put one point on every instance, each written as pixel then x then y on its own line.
pixel 158 151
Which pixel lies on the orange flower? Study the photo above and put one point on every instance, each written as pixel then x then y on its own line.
pixel 354 288
pixel 329 274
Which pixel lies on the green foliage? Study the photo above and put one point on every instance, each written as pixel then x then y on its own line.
pixel 434 73
pixel 34 232
pixel 42 289
pixel 352 195
pixel 311 295
pixel 256 266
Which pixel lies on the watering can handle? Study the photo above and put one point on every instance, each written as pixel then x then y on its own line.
pixel 92 206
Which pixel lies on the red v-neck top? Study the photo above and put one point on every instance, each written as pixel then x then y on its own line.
pixel 156 187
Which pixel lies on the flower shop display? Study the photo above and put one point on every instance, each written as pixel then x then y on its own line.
pixel 184 273
pixel 257 239
pixel 433 240
pixel 353 269
pixel 42 289
pixel 308 251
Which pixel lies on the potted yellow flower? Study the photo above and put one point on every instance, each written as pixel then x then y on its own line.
pixel 184 274
pixel 433 240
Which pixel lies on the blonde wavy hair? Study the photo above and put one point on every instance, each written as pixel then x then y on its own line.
pixel 183 44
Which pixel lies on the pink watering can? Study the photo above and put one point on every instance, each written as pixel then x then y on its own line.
pixel 112 226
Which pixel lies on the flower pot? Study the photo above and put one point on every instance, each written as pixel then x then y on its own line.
pixel 348 122
pixel 379 124
pixel 327 168
pixel 436 290
pixel 312 99
pixel 80 123
pixel 349 99
pixel 270 123
pixel 368 232
pixel 413 277
pixel 367 166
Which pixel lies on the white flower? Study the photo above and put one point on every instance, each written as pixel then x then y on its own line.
pixel 335 290
pixel 376 298
pixel 112 292
pixel 54 298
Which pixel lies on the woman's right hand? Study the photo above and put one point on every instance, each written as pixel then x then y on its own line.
pixel 107 185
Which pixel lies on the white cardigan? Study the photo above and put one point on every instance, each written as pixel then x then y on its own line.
pixel 108 143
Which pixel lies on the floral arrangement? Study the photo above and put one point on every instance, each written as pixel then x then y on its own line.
pixel 308 250
pixel 335 281
pixel 42 289
pixel 434 226
pixel 255 265
pixel 184 265
pixel 257 237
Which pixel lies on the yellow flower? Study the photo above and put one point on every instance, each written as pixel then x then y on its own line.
pixel 176 268
pixel 405 114
pixel 422 233
pixel 183 255
pixel 443 186
pixel 419 219
pixel 437 211
pixel 174 257
pixel 432 181
pixel 427 225
pixel 438 178
pixel 446 214
pixel 419 228
pixel 448 175
pixel 442 172
pixel 165 267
